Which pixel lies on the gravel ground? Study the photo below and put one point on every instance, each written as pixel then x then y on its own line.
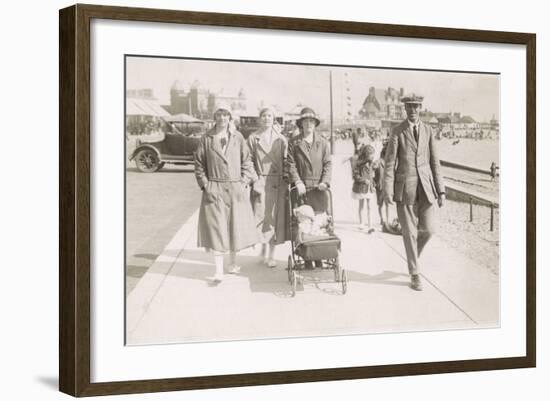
pixel 473 239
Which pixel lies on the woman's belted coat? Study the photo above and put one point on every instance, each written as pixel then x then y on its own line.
pixel 226 222
pixel 311 165
pixel 270 205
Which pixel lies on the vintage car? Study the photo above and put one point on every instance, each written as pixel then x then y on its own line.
pixel 173 147
pixel 178 145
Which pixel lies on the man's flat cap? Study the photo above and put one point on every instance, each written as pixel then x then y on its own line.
pixel 412 98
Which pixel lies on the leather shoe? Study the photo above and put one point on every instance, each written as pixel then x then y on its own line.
pixel 416 284
pixel 216 279
pixel 235 269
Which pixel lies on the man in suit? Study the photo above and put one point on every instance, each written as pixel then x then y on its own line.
pixel 412 178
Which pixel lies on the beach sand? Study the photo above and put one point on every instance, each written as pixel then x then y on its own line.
pixel 473 153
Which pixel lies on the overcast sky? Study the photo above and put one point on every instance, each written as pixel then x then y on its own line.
pixel 286 86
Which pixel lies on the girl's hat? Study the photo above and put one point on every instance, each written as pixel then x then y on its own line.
pixel 307 113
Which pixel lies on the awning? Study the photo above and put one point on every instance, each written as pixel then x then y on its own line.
pixel 183 118
pixel 144 107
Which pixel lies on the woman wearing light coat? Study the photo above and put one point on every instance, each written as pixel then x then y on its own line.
pixel 269 149
pixel 224 171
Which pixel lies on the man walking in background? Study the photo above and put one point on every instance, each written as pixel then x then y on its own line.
pixel 412 179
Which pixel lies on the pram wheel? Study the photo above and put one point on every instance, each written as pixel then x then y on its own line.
pixel 293 282
pixel 344 282
pixel 289 269
pixel 337 270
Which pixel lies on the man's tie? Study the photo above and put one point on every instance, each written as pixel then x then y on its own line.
pixel 415 132
pixel 223 142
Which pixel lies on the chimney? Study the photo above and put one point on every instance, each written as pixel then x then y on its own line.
pixel 401 92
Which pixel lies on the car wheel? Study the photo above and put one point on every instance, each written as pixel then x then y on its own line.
pixel 147 161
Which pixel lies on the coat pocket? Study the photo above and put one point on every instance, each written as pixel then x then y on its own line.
pixel 241 192
pixel 209 194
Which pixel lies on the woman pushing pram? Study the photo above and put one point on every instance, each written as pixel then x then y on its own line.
pixel 309 168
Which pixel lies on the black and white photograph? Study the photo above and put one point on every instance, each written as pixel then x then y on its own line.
pixel 272 200
pixel 250 200
pixel 276 200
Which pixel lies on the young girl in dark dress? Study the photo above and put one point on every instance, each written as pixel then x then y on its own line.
pixel 364 187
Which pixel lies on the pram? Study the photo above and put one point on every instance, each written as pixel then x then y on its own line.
pixel 314 253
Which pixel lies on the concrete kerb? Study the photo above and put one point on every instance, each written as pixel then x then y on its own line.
pixel 138 301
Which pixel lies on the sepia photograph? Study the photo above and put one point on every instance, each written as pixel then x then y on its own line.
pixel 271 200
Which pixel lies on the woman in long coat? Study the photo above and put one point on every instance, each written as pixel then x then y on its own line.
pixel 309 163
pixel 224 170
pixel 269 149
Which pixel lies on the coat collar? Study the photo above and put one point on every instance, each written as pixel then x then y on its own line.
pixel 256 137
pixel 278 137
pixel 231 131
pixel 302 146
pixel 316 139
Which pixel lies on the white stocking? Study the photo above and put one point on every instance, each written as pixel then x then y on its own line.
pixel 218 261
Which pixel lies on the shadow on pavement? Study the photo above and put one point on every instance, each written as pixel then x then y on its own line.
pixel 150 256
pixel 199 265
pixel 136 271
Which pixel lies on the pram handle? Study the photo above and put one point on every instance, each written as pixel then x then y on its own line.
pixel 303 197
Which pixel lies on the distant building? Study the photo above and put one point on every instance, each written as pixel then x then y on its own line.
pixel 457 119
pixel 448 120
pixel 428 117
pixel 200 102
pixel 383 104
pixel 456 125
pixel 468 122
pixel 140 94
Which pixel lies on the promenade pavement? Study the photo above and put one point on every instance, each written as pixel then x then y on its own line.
pixel 174 301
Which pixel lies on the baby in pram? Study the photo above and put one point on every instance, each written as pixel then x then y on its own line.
pixel 311 226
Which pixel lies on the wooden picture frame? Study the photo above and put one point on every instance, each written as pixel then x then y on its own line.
pixel 75 210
